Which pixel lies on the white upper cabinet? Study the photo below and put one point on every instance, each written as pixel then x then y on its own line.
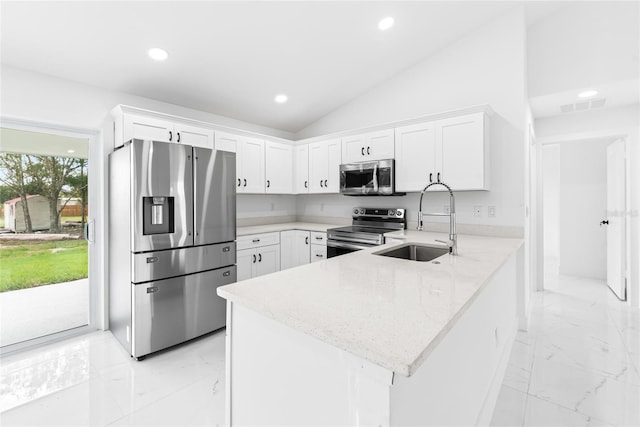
pixel 301 169
pixel 131 123
pixel 369 146
pixel 453 150
pixel 250 166
pixel 194 135
pixel 415 156
pixel 324 166
pixel 226 141
pixel 279 168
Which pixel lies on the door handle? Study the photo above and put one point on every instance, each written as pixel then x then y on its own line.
pixel 604 222
pixel 259 257
pixel 254 258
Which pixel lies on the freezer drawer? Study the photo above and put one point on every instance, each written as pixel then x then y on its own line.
pixel 168 312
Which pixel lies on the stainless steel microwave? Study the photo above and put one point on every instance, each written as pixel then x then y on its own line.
pixel 375 178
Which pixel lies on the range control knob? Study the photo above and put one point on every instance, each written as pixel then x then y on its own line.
pixel 398 213
pixel 355 211
pixel 361 211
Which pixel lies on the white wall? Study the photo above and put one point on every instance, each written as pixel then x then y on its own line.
pixel 624 121
pixel 551 200
pixel 486 67
pixel 39 97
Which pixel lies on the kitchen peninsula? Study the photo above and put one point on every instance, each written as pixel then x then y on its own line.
pixel 363 339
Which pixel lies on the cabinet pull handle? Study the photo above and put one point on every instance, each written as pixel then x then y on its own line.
pixel 320 183
pixel 319 238
pixel 325 183
pixel 178 135
pixel 320 255
pixel 368 150
pixel 259 257
pixel 170 136
pixel 431 177
pixel 239 182
pixel 254 258
pixel 362 151
pixel 438 176
pixel 268 183
pixel 256 240
pixel 245 182
pixel 305 184
pixel 306 240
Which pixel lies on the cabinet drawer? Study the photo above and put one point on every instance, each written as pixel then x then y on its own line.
pixel 257 240
pixel 318 238
pixel 318 252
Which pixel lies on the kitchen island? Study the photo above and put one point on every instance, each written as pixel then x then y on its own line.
pixel 363 339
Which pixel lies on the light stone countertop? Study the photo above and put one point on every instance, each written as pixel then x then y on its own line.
pixel 389 311
pixel 283 226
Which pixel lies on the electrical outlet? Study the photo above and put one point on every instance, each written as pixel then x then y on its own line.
pixel 477 211
pixel 491 211
pixel 447 209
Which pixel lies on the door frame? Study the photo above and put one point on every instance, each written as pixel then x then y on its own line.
pixel 96 282
pixel 537 193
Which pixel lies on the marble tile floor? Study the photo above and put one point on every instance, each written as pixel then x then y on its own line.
pixel 579 363
pixel 577 366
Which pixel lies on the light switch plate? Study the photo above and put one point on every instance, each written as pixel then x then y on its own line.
pixel 491 211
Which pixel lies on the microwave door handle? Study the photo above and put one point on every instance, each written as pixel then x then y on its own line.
pixel 375 178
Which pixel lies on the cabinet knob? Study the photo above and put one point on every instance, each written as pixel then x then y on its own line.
pixel 320 183
pixel 259 257
pixel 368 150
pixel 268 183
pixel 325 183
pixel 178 136
pixel 306 240
pixel 254 258
pixel 305 184
pixel 239 182
pixel 431 177
pixel 245 182
pixel 170 136
pixel 438 176
pixel 362 151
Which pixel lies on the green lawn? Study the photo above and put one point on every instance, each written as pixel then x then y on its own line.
pixel 33 263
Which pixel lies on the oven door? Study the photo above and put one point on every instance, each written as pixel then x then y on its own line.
pixel 335 248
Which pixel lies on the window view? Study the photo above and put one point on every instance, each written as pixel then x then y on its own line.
pixel 44 287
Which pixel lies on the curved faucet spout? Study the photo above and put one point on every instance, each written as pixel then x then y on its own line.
pixel 453 237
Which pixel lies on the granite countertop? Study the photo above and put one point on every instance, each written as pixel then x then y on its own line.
pixel 389 311
pixel 283 226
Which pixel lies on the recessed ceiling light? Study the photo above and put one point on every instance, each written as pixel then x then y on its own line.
pixel 281 99
pixel 588 93
pixel 386 23
pixel 158 54
pixel 71 151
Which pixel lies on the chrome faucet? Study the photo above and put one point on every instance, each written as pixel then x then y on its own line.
pixel 453 237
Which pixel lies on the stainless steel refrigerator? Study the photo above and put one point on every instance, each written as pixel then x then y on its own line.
pixel 172 230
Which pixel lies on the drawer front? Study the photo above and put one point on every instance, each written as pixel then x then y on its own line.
pixel 257 240
pixel 318 252
pixel 318 238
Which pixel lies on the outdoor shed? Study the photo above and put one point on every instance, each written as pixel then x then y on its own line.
pixel 38 210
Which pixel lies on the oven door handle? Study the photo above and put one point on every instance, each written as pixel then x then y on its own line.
pixel 342 245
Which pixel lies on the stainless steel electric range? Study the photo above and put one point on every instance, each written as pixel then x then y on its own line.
pixel 367 230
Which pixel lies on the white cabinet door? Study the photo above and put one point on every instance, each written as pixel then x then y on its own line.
pixel 142 127
pixel 194 135
pixel 414 154
pixel 250 165
pixel 370 146
pixel 334 158
pixel 279 168
pixel 460 152
pixel 226 142
pixel 294 248
pixel 380 145
pixel 318 166
pixel 301 169
pixel 268 260
pixel 353 148
pixel 245 262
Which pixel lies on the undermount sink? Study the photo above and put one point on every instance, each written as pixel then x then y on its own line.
pixel 414 252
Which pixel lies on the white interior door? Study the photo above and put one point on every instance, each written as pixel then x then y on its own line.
pixel 615 221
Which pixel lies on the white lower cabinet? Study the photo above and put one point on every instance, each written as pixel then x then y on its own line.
pixel 318 252
pixel 257 255
pixel 295 248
